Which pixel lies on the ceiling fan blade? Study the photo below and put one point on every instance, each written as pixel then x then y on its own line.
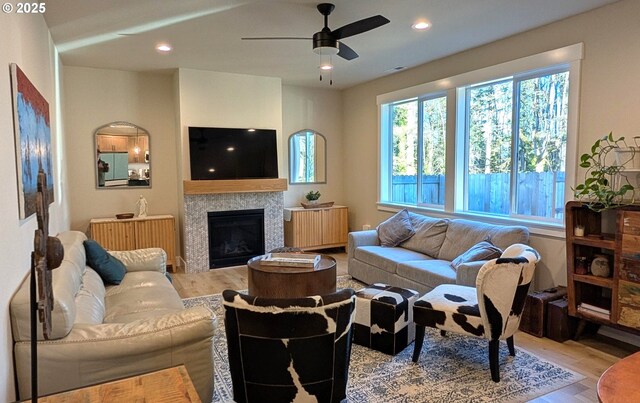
pixel 359 27
pixel 346 52
pixel 263 38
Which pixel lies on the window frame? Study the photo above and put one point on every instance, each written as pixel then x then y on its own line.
pixel 567 58
pixel 387 195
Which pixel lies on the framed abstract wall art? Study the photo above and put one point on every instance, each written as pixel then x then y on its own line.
pixel 32 129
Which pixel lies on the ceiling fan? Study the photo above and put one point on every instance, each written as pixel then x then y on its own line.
pixel 328 42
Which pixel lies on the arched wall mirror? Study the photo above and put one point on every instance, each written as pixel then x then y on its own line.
pixel 307 157
pixel 122 156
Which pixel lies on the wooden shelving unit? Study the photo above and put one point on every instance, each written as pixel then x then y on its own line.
pixel 321 228
pixel 137 233
pixel 619 293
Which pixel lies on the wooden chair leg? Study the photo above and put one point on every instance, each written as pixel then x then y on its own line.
pixel 417 345
pixel 443 333
pixel 512 349
pixel 494 364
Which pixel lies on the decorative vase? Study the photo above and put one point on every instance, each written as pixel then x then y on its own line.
pixel 581 265
pixel 600 266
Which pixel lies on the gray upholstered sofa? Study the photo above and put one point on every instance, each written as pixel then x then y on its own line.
pixel 102 333
pixel 424 261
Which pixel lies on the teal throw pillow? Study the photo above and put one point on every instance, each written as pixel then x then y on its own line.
pixel 110 269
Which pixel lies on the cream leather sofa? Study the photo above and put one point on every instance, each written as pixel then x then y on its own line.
pixel 102 333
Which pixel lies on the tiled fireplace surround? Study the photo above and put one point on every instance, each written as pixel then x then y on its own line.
pixel 196 207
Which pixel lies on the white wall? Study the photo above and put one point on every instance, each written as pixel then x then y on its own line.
pixel 609 100
pixel 213 99
pixel 94 97
pixel 24 40
pixel 319 110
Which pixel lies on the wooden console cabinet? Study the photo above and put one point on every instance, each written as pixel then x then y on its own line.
pixel 311 229
pixel 137 233
pixel 616 298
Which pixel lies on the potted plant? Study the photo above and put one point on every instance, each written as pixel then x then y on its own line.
pixel 606 185
pixel 312 196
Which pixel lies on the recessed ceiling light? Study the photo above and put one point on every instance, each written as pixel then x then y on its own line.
pixel 251 130
pixel 164 47
pixel 421 25
pixel 326 67
pixel 212 170
pixel 230 148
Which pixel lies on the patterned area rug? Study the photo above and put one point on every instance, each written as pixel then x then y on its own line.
pixel 451 369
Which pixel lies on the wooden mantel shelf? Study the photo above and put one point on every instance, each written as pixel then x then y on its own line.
pixel 202 187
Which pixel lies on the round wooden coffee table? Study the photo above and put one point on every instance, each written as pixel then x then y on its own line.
pixel 290 282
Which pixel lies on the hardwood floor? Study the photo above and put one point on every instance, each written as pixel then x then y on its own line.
pixel 590 356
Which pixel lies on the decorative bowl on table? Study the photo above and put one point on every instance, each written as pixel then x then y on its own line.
pixel 124 216
pixel 316 205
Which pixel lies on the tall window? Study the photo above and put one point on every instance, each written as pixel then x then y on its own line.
pixel 516 138
pixel 418 129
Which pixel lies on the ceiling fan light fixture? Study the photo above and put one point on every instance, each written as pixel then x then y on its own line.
pixel 325 50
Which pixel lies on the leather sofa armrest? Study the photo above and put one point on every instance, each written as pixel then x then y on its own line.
pixel 467 272
pixel 149 259
pixel 362 238
pixel 93 354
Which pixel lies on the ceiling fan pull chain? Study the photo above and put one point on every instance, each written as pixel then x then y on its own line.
pixel 331 71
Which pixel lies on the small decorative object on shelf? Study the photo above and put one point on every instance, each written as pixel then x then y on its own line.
pixel 124 216
pixel 606 184
pixel 312 196
pixel 142 206
pixel 578 230
pixel 581 265
pixel 600 266
pixel 316 205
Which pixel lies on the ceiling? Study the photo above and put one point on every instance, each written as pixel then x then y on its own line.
pixel 205 34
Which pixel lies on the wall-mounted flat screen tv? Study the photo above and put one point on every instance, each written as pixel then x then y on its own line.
pixel 218 153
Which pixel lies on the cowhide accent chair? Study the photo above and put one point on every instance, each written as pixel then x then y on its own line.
pixel 491 310
pixel 286 350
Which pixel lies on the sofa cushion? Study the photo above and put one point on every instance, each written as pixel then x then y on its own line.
pixel 386 258
pixel 431 273
pixel 110 269
pixel 141 295
pixel 90 299
pixel 484 250
pixel 395 229
pixel 463 234
pixel 430 233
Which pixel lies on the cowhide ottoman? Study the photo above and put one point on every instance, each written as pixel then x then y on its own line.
pixel 384 318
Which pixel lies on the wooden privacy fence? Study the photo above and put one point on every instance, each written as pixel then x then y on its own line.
pixel 540 194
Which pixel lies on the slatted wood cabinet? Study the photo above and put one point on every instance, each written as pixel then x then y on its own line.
pixel 311 229
pixel 137 233
pixel 616 298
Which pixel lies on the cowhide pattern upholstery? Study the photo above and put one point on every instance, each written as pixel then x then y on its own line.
pixel 384 318
pixel 491 310
pixel 289 350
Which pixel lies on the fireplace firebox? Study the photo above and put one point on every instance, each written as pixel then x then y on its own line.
pixel 235 237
